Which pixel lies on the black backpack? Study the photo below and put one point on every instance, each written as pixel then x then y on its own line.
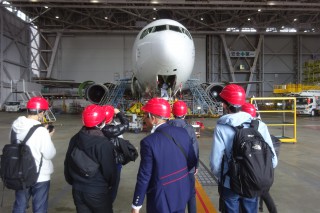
pixel 18 168
pixel 250 167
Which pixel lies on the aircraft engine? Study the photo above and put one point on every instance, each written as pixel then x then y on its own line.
pixel 97 93
pixel 214 90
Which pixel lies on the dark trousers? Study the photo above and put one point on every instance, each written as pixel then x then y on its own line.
pixel 92 202
pixel 114 190
pixel 192 205
pixel 267 199
pixel 40 195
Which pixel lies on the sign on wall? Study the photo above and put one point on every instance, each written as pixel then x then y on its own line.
pixel 248 54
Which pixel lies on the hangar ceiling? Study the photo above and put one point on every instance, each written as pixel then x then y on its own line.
pixel 199 16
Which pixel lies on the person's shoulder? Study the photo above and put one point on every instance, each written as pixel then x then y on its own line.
pixel 41 130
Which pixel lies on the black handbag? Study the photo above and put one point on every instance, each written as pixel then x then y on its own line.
pixel 124 151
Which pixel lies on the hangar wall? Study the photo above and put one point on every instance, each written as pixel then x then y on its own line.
pixel 281 59
pixel 15 63
pixel 104 58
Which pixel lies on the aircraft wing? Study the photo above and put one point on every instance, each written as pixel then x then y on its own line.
pixel 57 83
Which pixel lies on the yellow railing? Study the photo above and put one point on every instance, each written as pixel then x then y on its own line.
pixel 279 106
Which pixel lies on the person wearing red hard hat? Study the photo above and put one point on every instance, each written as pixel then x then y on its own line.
pixel 179 111
pixel 167 156
pixel 233 97
pixel 249 108
pixel 113 131
pixel 42 149
pixel 92 193
pixel 266 197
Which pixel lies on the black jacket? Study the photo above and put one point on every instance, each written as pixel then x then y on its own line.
pixel 99 149
pixel 112 131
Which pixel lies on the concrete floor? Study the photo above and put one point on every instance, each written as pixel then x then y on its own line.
pixel 296 187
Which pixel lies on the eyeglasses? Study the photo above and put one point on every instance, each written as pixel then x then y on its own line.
pixel 148 115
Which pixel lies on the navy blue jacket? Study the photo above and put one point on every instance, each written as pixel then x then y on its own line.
pixel 184 124
pixel 164 170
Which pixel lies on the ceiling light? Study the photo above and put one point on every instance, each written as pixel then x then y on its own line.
pixel 201 19
pixel 249 19
pixel 271 3
pixel 94 1
pixel 46 7
pixel 57 17
pixel 259 10
pixel 154 9
pixel 295 19
pixel 154 18
pixel 106 17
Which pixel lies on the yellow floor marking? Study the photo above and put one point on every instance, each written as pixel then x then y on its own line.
pixel 204 204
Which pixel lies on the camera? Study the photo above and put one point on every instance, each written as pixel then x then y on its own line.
pixel 50 127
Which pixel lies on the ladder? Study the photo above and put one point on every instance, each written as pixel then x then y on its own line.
pixel 116 95
pixel 202 103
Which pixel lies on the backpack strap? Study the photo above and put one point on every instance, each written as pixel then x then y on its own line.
pixel 254 124
pixel 31 131
pixel 178 144
pixel 29 134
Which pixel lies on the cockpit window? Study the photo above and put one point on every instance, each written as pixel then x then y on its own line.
pixel 185 31
pixel 174 28
pixel 145 32
pixel 159 28
pixel 165 27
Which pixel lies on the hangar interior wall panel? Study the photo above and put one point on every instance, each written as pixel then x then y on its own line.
pixel 310 48
pixel 15 53
pixel 96 58
pixel 279 54
pixel 199 68
pixel 279 60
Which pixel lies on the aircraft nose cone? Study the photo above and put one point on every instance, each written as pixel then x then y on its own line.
pixel 169 49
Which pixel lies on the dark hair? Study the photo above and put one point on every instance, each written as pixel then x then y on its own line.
pixel 179 117
pixel 232 108
pixel 34 111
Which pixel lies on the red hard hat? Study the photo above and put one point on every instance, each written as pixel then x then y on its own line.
pixel 233 94
pixel 157 106
pixel 109 112
pixel 93 115
pixel 179 108
pixel 249 108
pixel 37 103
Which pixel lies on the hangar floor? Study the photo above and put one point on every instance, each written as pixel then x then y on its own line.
pixel 296 187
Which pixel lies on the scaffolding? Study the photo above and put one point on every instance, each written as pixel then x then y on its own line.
pixel 116 94
pixel 311 72
pixel 202 103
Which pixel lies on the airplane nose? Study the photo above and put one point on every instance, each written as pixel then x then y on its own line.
pixel 169 49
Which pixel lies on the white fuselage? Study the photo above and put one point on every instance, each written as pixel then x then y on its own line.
pixel 163 48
